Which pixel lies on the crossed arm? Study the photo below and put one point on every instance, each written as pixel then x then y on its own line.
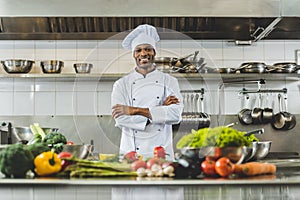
pixel 119 110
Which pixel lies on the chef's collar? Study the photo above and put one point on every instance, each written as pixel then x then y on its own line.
pixel 139 75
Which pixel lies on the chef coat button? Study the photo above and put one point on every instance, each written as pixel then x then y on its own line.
pixel 156 81
pixel 158 129
pixel 133 99
pixel 157 97
pixel 137 148
pixel 135 131
pixel 133 83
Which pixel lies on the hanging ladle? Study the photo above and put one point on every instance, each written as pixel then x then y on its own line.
pixel 258 131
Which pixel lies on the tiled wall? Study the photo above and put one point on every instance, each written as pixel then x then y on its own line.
pixel 49 96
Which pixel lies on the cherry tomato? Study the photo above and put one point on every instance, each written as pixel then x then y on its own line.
pixel 208 167
pixel 159 152
pixel 224 167
pixel 138 164
pixel 70 143
pixel 153 161
pixel 131 156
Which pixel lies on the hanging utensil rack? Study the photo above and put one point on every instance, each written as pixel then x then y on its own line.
pixel 245 91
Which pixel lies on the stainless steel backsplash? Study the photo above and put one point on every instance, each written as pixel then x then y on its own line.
pixel 106 137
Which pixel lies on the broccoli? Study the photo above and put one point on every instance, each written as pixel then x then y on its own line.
pixel 37 148
pixel 16 161
pixel 56 140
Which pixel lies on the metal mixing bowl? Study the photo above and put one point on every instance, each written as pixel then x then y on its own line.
pixel 83 67
pixel 251 151
pixel 263 148
pixel 24 134
pixel 17 65
pixel 78 150
pixel 235 154
pixel 52 66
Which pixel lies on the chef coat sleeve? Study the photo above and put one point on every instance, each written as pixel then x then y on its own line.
pixel 120 96
pixel 170 114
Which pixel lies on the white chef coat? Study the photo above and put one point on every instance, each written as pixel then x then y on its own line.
pixel 148 91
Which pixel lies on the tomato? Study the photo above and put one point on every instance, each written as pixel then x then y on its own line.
pixel 70 143
pixel 208 167
pixel 224 167
pixel 138 164
pixel 64 154
pixel 131 156
pixel 153 161
pixel 65 163
pixel 159 152
pixel 217 153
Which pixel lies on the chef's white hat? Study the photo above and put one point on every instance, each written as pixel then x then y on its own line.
pixel 143 34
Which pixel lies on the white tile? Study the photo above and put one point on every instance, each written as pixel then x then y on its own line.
pixel 254 53
pixel 232 63
pixel 68 66
pixel 23 84
pixel 86 103
pixel 84 85
pixel 289 50
pixel 6 49
pixel 293 100
pixel 65 85
pixel 44 103
pixel 6 84
pixel 274 50
pixel 44 84
pixel 172 46
pixel 105 86
pixel 231 51
pixel 6 100
pixel 212 49
pixel 24 49
pixel 23 103
pixel 45 50
pixel 108 49
pixel 66 50
pixel 104 103
pixel 65 103
pixel 86 51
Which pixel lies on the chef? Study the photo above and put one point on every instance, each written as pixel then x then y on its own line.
pixel 146 102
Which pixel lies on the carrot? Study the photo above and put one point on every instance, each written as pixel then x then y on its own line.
pixel 254 168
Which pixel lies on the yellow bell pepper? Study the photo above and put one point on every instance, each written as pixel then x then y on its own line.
pixel 47 163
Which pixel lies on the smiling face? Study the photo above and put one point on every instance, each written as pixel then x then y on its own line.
pixel 144 57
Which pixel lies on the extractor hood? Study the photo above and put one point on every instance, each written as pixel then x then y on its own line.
pixel 94 19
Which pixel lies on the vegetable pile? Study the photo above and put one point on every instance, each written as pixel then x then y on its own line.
pixel 36 156
pixel 220 137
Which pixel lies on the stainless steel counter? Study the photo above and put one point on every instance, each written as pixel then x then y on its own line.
pixel 284 185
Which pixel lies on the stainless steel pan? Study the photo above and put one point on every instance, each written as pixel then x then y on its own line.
pixel 283 68
pixel 244 115
pixel 252 67
pixel 283 120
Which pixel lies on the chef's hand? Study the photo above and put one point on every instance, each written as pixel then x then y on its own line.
pixel 171 100
pixel 118 110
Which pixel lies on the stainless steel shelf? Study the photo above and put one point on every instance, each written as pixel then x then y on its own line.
pixel 188 76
